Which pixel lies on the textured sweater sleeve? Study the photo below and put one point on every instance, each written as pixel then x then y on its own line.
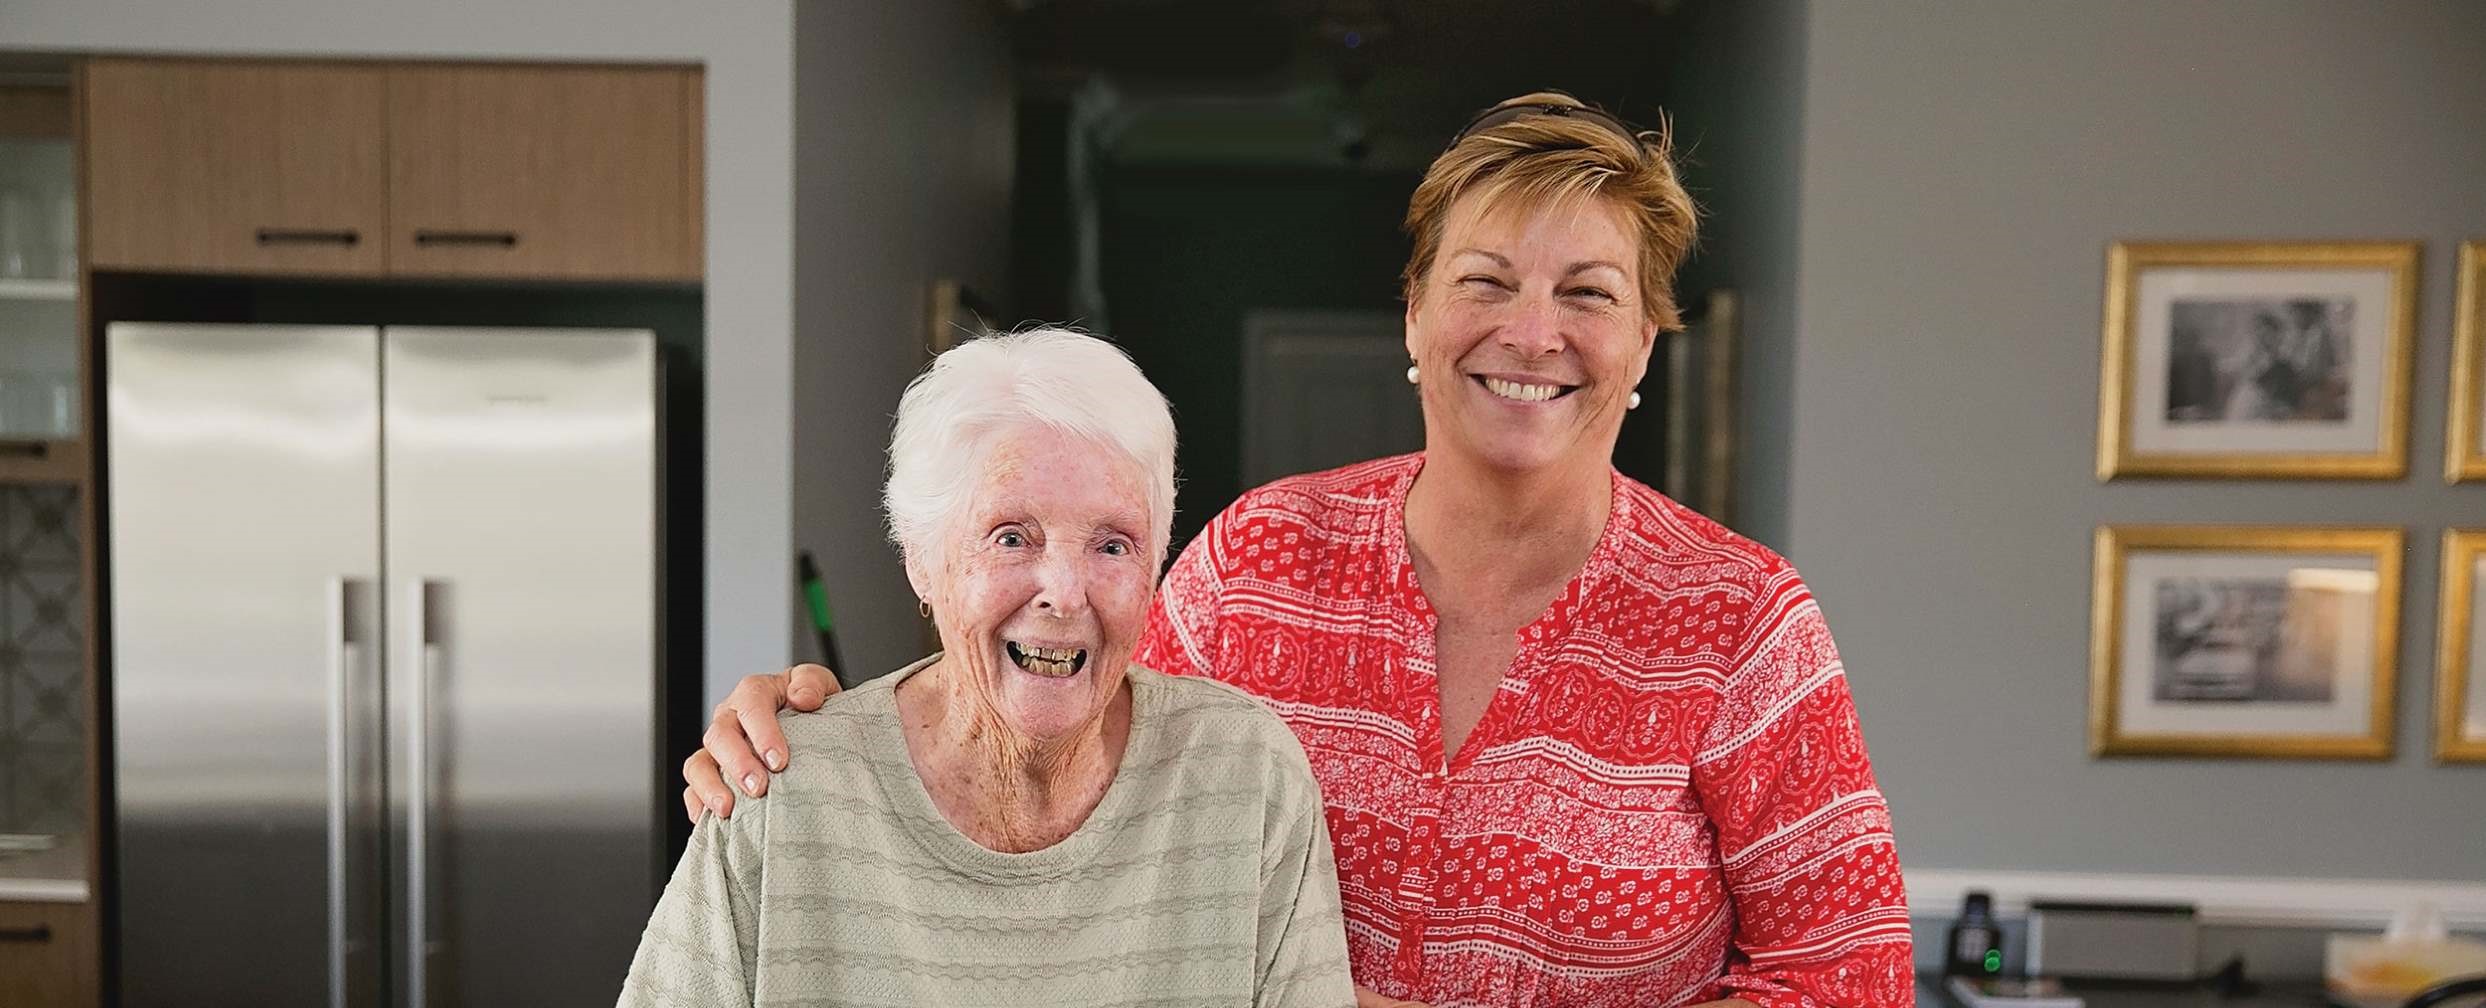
pixel 701 947
pixel 1303 941
pixel 1820 909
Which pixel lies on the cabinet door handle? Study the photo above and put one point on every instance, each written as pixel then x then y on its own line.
pixel 37 933
pixel 504 239
pixel 308 236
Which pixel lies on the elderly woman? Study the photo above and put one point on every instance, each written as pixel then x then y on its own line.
pixel 1026 817
pixel 1578 745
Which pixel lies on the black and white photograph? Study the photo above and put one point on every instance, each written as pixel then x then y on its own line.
pixel 2276 359
pixel 2254 641
pixel 2244 360
pixel 2246 640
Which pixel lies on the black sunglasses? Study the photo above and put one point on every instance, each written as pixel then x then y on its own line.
pixel 1493 117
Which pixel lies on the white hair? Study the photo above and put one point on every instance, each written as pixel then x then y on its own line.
pixel 1057 377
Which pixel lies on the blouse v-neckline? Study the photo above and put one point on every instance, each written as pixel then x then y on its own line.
pixel 1535 636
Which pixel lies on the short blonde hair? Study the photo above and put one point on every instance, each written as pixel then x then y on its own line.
pixel 1556 160
pixel 1048 376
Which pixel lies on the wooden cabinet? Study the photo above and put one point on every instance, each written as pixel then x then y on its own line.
pixel 236 167
pixel 47 955
pixel 560 172
pixel 417 170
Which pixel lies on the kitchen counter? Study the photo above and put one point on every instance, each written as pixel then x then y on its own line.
pixel 1930 993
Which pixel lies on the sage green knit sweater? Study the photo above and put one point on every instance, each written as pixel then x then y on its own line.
pixel 1202 878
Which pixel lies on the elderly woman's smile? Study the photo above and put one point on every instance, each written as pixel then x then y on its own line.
pixel 1051 663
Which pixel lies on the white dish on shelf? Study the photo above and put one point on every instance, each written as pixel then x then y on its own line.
pixel 23 289
pixel 27 843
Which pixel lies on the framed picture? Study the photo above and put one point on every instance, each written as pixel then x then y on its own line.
pixel 1700 401
pixel 2460 664
pixel 2464 456
pixel 2244 641
pixel 2257 359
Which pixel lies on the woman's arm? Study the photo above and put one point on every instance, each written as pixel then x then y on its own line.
pixel 1821 916
pixel 701 947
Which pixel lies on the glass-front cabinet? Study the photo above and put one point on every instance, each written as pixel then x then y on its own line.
pixel 46 565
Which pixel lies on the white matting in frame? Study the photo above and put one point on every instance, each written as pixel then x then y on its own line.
pixel 2361 300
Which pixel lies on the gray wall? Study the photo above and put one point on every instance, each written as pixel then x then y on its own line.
pixel 903 145
pixel 1736 94
pixel 1964 167
pixel 747 48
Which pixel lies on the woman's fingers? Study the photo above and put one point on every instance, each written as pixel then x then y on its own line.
pixel 703 790
pixel 1366 997
pixel 760 736
pixel 730 740
pixel 808 685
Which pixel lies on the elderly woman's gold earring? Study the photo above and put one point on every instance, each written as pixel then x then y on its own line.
pixel 1633 402
pixel 924 608
pixel 1411 374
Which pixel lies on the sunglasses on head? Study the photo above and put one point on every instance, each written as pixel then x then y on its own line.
pixel 1496 116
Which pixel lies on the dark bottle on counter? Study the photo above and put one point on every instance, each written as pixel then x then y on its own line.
pixel 1976 948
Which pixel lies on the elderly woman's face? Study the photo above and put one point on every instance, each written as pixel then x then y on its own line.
pixel 1045 584
pixel 1529 332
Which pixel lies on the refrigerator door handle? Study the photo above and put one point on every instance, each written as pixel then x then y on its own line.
pixel 423 617
pixel 345 655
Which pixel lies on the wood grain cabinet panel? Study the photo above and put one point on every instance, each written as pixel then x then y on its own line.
pixel 541 172
pixel 47 955
pixel 224 166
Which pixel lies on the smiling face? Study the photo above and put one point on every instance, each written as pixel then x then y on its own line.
pixel 1529 334
pixel 1042 587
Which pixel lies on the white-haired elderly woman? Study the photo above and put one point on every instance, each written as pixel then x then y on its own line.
pixel 1026 817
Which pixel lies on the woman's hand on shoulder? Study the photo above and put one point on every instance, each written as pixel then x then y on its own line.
pixel 743 729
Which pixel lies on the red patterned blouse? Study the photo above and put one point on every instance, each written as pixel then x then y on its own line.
pixel 1667 799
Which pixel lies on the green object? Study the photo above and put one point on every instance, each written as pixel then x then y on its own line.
pixel 819 596
pixel 816 600
pixel 1993 960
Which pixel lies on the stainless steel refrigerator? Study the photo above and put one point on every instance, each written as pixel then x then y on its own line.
pixel 384 686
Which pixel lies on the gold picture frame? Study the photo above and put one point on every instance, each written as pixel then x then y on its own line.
pixel 2254 276
pixel 2464 447
pixel 2458 665
pixel 2164 709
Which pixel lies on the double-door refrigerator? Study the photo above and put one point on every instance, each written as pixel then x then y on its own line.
pixel 384 690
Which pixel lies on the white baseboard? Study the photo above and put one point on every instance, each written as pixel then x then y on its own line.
pixel 2233 901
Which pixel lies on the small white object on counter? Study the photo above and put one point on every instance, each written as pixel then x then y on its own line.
pixel 2416 952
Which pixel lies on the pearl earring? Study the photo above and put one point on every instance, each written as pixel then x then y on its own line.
pixel 1411 374
pixel 1633 402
